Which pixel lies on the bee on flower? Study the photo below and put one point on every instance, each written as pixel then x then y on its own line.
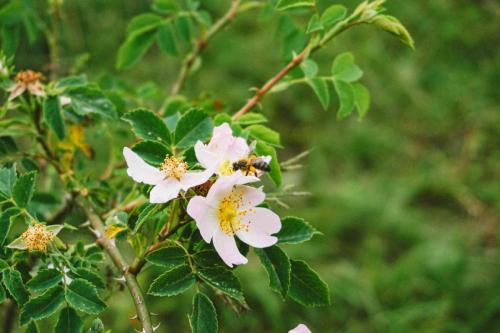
pixel 27 81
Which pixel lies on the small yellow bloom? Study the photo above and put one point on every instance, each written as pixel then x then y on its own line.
pixel 27 80
pixel 37 238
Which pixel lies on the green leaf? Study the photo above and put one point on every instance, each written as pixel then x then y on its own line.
pixel 31 328
pixel 169 256
pixel 3 294
pixel 6 221
pixel 194 125
pixel 295 230
pixel 7 180
pixel 24 188
pixel 42 306
pixel 90 276
pixel 96 326
pixel 14 283
pixel 68 322
pixel 333 14
pixel 251 118
pixel 153 152
pixel 183 25
pixel 164 7
pixel 72 81
pixel 82 296
pixel 3 265
pixel 166 39
pixel 52 114
pixel 320 88
pixel 314 24
pixel 309 68
pixel 134 47
pixel 361 99
pixel 286 4
pixel 145 214
pixel 91 100
pixel 204 317
pixel 147 125
pixel 306 287
pixel 44 279
pixel 395 27
pixel 143 22
pixel 222 279
pixel 264 134
pixel 263 149
pixel 346 98
pixel 277 266
pixel 344 68
pixel 173 282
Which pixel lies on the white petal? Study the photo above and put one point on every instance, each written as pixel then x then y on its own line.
pixel 251 196
pixel 225 246
pixel 237 150
pixel 222 138
pixel 36 89
pixel 207 158
pixel 300 329
pixel 16 91
pixel 204 216
pixel 261 224
pixel 194 178
pixel 139 170
pixel 165 191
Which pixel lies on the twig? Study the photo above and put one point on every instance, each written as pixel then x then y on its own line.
pixel 109 246
pixel 10 316
pixel 200 45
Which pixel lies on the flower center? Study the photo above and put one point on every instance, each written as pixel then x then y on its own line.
pixel 28 77
pixel 173 167
pixel 226 168
pixel 37 238
pixel 230 214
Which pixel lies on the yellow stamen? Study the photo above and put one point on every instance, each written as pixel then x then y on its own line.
pixel 28 77
pixel 231 215
pixel 174 167
pixel 37 238
pixel 226 168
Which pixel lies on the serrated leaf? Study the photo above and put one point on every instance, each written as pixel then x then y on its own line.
pixel 344 68
pixel 90 276
pixel 295 230
pixel 24 188
pixel 262 149
pixel 277 266
pixel 13 281
pixel 42 306
pixel 169 256
pixel 147 125
pixel 134 47
pixel 203 319
pixel 6 221
pixel 68 322
pixel 306 287
pixel 222 279
pixel 346 98
pixel 7 181
pixel 83 296
pixel 286 4
pixel 320 88
pixel 90 100
pixel 194 125
pixel 153 152
pixel 72 81
pixel 333 14
pixel 44 279
pixel 361 99
pixel 173 282
pixel 264 134
pixel 166 39
pixel 52 114
pixel 144 215
pixel 96 326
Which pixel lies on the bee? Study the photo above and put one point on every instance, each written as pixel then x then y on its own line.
pixel 251 165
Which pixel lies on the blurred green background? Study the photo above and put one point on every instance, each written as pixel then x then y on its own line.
pixel 407 199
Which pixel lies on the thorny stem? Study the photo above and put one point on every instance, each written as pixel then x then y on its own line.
pixel 118 260
pixel 200 45
pixel 297 59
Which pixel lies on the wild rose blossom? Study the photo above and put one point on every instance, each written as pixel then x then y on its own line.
pixel 168 180
pixel 222 151
pixel 27 80
pixel 229 210
pixel 300 329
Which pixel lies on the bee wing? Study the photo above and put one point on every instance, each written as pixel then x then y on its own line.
pixel 252 146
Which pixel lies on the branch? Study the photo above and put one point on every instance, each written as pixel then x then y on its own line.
pixel 109 246
pixel 297 59
pixel 201 44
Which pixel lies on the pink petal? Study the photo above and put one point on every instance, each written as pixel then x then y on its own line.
pixel 251 196
pixel 165 191
pixel 225 184
pixel 204 216
pixel 139 170
pixel 300 329
pixel 225 246
pixel 237 150
pixel 261 224
pixel 36 89
pixel 194 178
pixel 16 91
pixel 207 158
pixel 222 138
